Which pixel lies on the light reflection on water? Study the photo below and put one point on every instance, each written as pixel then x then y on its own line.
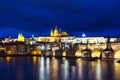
pixel 98 71
pixel 40 68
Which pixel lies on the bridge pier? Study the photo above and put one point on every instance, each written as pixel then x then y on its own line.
pixel 107 53
pixel 86 53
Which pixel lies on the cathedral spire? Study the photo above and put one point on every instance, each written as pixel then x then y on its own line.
pixel 56 27
pixel 51 33
pixel 56 32
pixel 60 30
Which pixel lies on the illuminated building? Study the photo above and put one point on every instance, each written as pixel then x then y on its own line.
pixel 21 37
pixel 11 49
pixel 2 50
pixel 92 40
pixel 32 41
pixel 58 33
pixel 47 39
pixel 56 36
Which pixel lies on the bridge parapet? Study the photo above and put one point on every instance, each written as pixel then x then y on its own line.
pixel 115 46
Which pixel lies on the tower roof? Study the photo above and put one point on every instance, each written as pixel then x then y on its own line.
pixel 56 30
pixel 56 27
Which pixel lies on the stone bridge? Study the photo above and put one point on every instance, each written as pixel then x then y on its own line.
pixel 97 48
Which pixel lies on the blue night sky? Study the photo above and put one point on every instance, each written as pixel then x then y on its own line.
pixel 93 17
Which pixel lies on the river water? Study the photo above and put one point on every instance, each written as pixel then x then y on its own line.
pixel 41 68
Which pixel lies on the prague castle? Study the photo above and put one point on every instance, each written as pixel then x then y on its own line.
pixel 57 33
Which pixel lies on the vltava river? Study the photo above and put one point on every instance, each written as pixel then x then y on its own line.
pixel 40 68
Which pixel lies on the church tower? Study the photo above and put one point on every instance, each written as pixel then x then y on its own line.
pixel 21 37
pixel 51 33
pixel 56 32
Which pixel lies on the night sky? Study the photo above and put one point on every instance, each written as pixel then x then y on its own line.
pixel 38 17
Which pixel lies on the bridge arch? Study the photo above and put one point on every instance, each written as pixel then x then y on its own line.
pixel 78 53
pixel 117 52
pixel 96 52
